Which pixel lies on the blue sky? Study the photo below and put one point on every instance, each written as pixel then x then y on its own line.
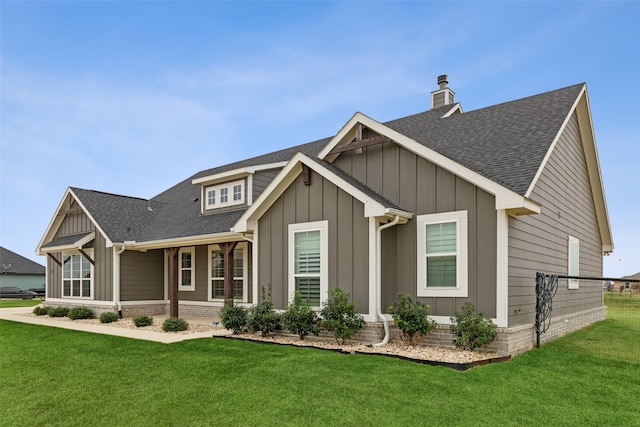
pixel 133 97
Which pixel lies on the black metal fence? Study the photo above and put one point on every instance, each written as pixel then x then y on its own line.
pixel 560 295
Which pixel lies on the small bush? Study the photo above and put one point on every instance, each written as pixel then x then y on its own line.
pixel 108 317
pixel 412 318
pixel 262 317
pixel 175 324
pixel 40 310
pixel 233 317
pixel 58 311
pixel 300 319
pixel 340 316
pixel 142 320
pixel 470 330
pixel 77 313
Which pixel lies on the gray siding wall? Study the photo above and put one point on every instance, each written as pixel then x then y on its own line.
pixel 261 179
pixel 421 187
pixel 142 275
pixel 540 242
pixel 348 238
pixel 76 223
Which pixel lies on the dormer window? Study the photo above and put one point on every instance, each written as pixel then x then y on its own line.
pixel 223 195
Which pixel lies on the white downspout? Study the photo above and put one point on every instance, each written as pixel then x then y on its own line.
pixel 379 314
pixel 116 279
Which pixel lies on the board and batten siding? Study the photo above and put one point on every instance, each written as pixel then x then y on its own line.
pixel 348 239
pixel 142 275
pixel 260 181
pixel 419 186
pixel 76 223
pixel 539 243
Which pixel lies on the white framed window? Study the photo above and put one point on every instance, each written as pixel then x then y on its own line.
pixel 442 254
pixel 308 261
pixel 216 272
pixel 77 275
pixel 187 270
pixel 222 195
pixel 573 268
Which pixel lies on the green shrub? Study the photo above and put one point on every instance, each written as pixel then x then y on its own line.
pixel 142 320
pixel 108 317
pixel 77 313
pixel 412 318
pixel 58 311
pixel 40 310
pixel 300 319
pixel 262 317
pixel 233 317
pixel 175 324
pixel 470 330
pixel 340 316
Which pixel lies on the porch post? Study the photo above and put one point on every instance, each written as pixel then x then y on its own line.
pixel 172 254
pixel 228 248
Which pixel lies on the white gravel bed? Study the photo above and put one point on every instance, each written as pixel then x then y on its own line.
pixel 419 352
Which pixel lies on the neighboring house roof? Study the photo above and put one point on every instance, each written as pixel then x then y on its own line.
pixel 12 263
pixel 502 148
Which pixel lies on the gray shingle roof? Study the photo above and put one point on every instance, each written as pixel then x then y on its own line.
pixel 13 263
pixel 505 143
pixel 65 240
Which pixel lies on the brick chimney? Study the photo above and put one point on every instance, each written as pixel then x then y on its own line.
pixel 443 96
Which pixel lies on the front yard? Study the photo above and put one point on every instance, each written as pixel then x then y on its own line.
pixel 52 376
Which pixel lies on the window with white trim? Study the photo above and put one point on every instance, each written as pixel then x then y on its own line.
pixel 77 275
pixel 222 195
pixel 216 272
pixel 308 264
pixel 187 270
pixel 442 254
pixel 573 268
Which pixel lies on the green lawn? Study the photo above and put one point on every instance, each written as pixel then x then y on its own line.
pixel 51 376
pixel 12 303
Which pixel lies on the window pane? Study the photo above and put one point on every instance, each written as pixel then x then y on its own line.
pixel 75 288
pixel 238 286
pixel 86 288
pixel 75 266
pixel 217 288
pixel 441 237
pixel 86 266
pixel 224 195
pixel 309 288
pixel 238 270
pixel 217 264
pixel 66 288
pixel 237 192
pixel 441 271
pixel 211 197
pixel 186 260
pixel 66 267
pixel 186 278
pixel 307 252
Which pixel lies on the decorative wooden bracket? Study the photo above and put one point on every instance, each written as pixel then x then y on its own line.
pixel 54 259
pixel 70 211
pixel 84 254
pixel 359 143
